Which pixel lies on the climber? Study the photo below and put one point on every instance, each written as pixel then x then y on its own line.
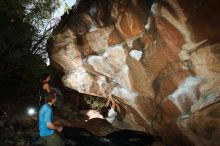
pixel 46 126
pixel 44 88
pixel 109 114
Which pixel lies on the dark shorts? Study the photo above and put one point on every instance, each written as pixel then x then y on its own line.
pixel 53 140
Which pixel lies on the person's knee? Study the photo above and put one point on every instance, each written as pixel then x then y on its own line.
pixel 58 140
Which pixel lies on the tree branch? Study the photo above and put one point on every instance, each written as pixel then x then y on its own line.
pixel 34 48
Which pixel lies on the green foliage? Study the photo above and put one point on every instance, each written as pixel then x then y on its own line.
pixel 95 102
pixel 37 11
pixel 21 23
pixel 53 37
pixel 26 22
pixel 67 8
pixel 15 34
pixel 25 27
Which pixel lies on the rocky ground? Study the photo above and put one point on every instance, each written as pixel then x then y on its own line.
pixel 17 128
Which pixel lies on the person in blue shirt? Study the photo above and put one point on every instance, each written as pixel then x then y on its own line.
pixel 46 126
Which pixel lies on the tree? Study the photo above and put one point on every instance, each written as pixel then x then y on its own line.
pixel 21 27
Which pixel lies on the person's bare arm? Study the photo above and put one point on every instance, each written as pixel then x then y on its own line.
pixel 54 127
pixel 47 87
pixel 113 103
pixel 108 102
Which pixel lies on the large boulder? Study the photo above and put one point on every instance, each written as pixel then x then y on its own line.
pixel 159 60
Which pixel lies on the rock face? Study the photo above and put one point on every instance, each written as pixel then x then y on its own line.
pixel 159 59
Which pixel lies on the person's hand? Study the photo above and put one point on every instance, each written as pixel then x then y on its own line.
pixel 60 128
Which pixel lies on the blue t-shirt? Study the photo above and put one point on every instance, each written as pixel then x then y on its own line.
pixel 45 116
